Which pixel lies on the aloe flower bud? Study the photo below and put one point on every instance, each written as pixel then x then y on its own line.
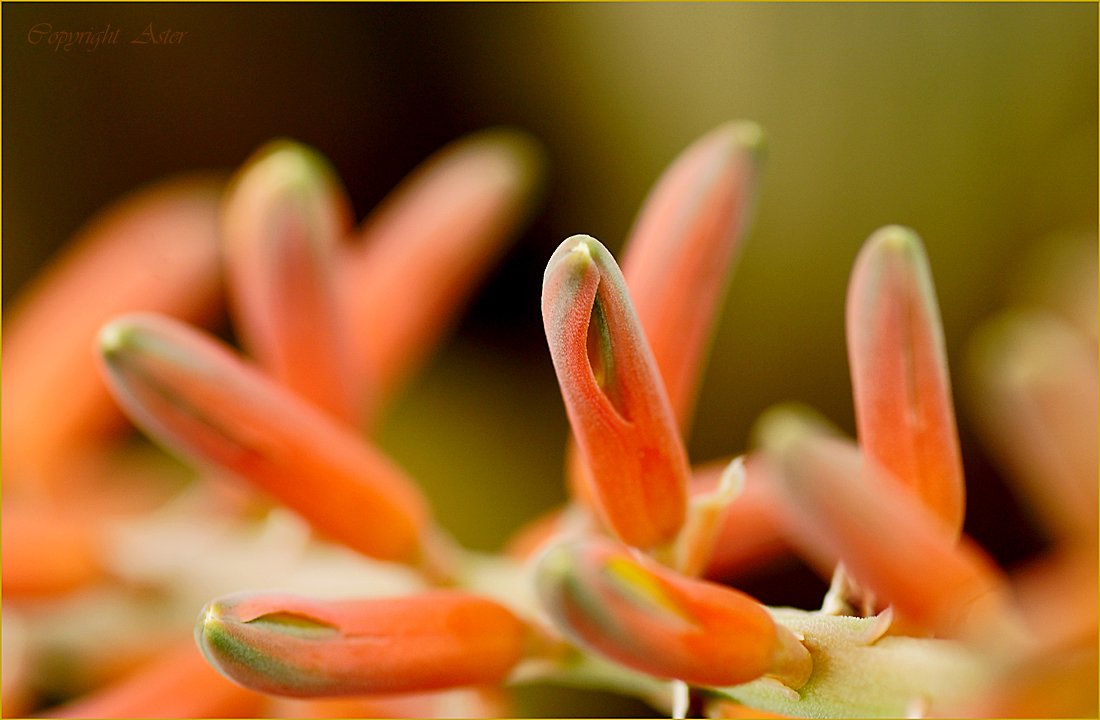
pixel 616 402
pixel 900 384
pixel 288 645
pixel 843 506
pixel 428 244
pixel 176 683
pixel 678 257
pixel 157 251
pixel 654 620
pixel 196 396
pixel 283 219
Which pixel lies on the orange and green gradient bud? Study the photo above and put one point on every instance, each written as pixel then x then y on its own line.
pixel 198 398
pixel 678 257
pixel 905 418
pixel 155 250
pixel 649 618
pixel 289 645
pixel 424 250
pixel 614 396
pixel 841 505
pixel 283 219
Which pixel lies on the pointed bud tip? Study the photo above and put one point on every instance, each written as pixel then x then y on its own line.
pixel 1020 347
pixel 115 337
pixel 121 335
pixel 211 632
pixel 574 254
pixel 745 136
pixel 896 240
pixel 782 428
pixel 516 150
pixel 581 250
pixel 284 165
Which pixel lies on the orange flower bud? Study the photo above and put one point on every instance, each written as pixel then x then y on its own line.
pixel 843 506
pixel 175 684
pixel 617 405
pixel 679 254
pixel 156 250
pixel 650 618
pixel 900 384
pixel 428 245
pixel 196 396
pixel 283 218
pixel 287 645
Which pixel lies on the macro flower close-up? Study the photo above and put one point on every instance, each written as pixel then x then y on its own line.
pixel 274 446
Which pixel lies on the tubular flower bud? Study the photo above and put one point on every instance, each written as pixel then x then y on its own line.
pixel 654 620
pixel 428 245
pixel 156 251
pixel 1036 398
pixel 195 396
pixel 679 254
pixel 283 218
pixel 620 415
pixel 177 683
pixel 845 507
pixel 288 645
pixel 900 384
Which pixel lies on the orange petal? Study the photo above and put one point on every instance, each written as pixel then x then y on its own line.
pixel 155 250
pixel 619 412
pixel 1036 397
pixel 428 245
pixel 842 506
pixel 193 394
pixel 288 645
pixel 679 255
pixel 900 385
pixel 651 619
pixel 177 684
pixel 283 218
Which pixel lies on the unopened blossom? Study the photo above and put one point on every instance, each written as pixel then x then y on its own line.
pixel 608 592
pixel 287 645
pixel 657 621
pixel 160 254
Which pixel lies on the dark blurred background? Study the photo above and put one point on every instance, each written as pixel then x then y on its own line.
pixel 976 124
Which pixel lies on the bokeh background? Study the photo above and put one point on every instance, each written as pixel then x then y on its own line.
pixel 975 124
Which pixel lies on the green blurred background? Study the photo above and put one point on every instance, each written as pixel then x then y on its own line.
pixel 976 124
